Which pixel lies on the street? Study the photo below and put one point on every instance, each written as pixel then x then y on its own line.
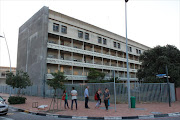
pixel 14 115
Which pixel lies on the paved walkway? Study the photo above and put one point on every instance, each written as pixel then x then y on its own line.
pixel 122 109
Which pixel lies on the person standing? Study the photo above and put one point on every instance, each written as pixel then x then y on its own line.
pixel 86 95
pixel 65 96
pixel 106 96
pixel 74 97
pixel 100 94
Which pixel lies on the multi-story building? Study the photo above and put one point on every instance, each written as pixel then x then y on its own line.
pixel 50 41
pixel 3 71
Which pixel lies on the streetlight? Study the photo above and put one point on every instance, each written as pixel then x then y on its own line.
pixel 9 56
pixel 7 49
pixel 127 64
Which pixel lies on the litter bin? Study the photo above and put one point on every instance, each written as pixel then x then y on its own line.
pixel 133 102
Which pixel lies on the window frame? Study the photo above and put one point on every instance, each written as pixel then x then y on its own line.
pixel 55 27
pixel 119 45
pixel 64 29
pixel 115 44
pixel 104 41
pixel 86 38
pixel 100 40
pixel 129 49
pixel 79 34
pixel 137 51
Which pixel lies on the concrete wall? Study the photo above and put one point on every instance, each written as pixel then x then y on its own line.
pixel 32 47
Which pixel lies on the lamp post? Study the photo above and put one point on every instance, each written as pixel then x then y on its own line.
pixel 9 56
pixel 127 64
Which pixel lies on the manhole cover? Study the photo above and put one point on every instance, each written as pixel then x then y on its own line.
pixel 140 109
pixel 105 108
pixel 156 112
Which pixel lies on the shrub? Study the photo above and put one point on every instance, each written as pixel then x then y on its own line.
pixel 16 100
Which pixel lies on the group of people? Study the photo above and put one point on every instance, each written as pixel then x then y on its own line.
pixel 98 95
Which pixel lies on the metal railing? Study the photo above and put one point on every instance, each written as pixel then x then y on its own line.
pixel 145 92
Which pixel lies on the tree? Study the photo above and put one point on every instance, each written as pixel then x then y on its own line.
pixel 95 75
pixel 56 83
pixel 20 80
pixel 154 62
pixel 117 80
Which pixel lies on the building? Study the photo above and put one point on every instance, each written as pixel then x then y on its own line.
pixel 3 71
pixel 50 41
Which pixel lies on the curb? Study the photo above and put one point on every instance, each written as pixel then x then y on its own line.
pixel 101 118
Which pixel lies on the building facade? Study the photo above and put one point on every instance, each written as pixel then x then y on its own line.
pixel 50 41
pixel 3 71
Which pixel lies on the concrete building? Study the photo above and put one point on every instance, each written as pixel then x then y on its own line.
pixel 50 41
pixel 3 71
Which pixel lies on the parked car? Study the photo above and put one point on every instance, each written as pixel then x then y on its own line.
pixel 3 106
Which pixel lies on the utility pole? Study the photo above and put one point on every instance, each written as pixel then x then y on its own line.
pixel 168 86
pixel 127 64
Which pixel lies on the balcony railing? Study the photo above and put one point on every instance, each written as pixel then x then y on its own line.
pixel 78 47
pixel 53 42
pixel 52 56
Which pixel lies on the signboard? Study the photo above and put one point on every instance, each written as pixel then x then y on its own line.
pixel 161 75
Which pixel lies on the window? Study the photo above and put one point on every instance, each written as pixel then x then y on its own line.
pixel 99 40
pixel 139 51
pixel 136 51
pixel 64 29
pixel 55 27
pixel 119 45
pixel 3 74
pixel 80 34
pixel 114 44
pixel 104 41
pixel 87 36
pixel 130 49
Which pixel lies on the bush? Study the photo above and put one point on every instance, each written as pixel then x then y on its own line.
pixel 16 100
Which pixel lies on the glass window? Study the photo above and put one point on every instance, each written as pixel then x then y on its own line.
pixel 130 49
pixel 136 51
pixel 119 45
pixel 87 36
pixel 64 29
pixel 139 51
pixel 99 40
pixel 55 27
pixel 80 34
pixel 114 44
pixel 104 41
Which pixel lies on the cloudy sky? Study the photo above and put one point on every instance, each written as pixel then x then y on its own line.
pixel 150 22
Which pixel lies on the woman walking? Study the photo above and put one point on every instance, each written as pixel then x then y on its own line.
pixel 98 99
pixel 65 97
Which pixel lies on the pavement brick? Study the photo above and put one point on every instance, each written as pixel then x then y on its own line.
pixel 122 109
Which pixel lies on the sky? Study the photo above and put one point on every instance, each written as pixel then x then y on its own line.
pixel 149 22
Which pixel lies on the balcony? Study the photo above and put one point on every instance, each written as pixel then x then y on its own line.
pixel 52 56
pixel 70 77
pixel 53 42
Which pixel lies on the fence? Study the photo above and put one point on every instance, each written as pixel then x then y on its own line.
pixel 145 92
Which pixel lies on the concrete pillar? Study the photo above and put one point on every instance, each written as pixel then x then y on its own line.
pixel 83 46
pixel 72 74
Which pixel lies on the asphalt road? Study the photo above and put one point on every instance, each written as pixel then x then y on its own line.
pixel 14 115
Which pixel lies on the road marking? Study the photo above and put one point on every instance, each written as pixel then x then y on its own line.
pixel 10 113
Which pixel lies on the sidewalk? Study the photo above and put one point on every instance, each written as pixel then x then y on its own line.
pixel 122 109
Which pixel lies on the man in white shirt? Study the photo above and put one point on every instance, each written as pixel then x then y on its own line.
pixel 74 97
pixel 86 95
